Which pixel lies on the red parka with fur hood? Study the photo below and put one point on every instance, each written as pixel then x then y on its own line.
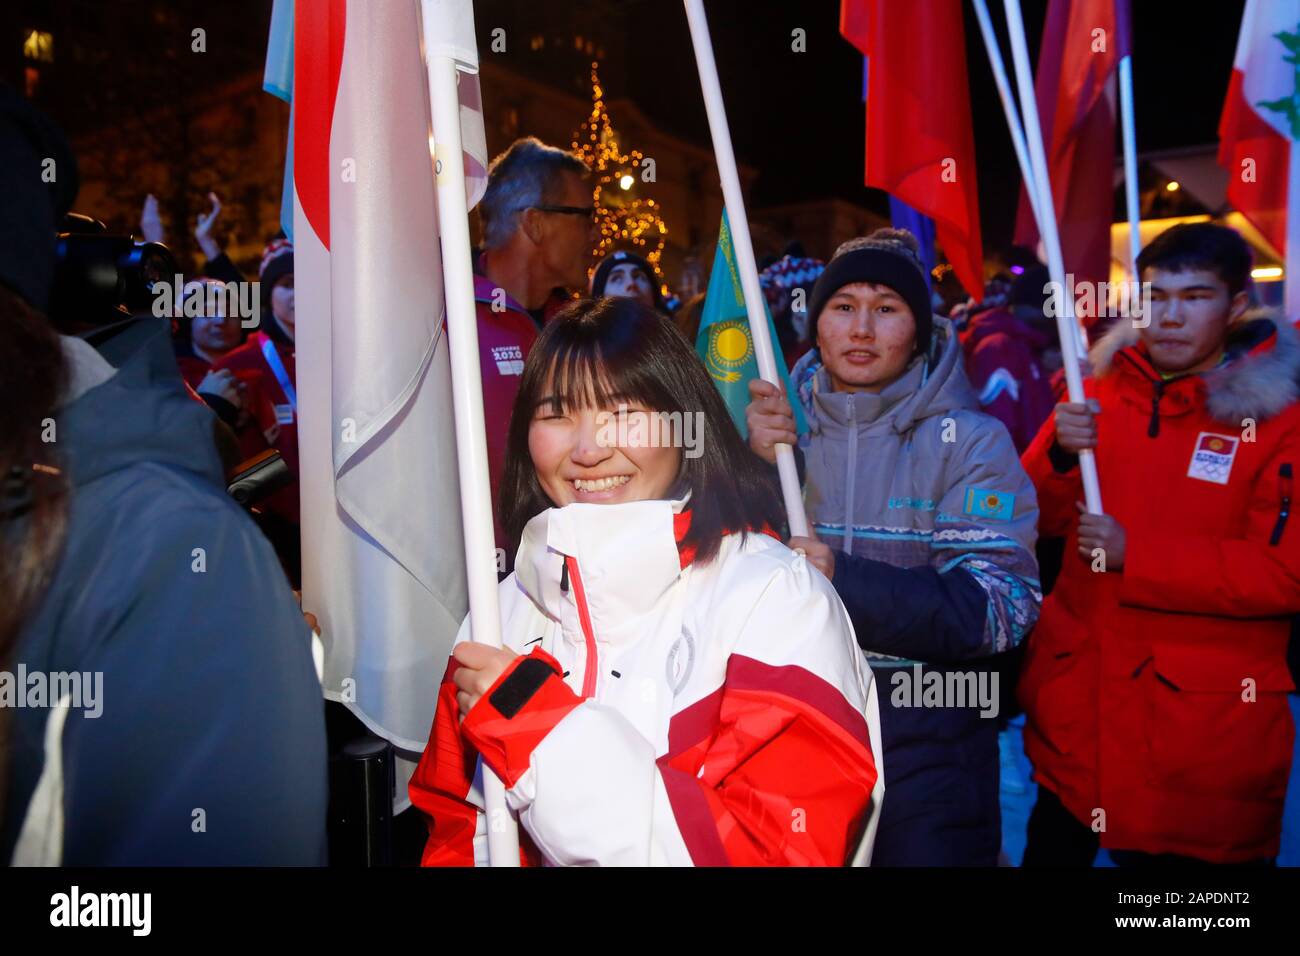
pixel 1156 694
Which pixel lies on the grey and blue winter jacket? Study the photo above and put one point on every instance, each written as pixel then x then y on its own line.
pixel 924 496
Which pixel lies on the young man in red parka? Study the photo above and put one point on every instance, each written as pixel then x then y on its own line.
pixel 1156 682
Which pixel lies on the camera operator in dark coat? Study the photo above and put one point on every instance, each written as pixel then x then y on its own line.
pixel 156 677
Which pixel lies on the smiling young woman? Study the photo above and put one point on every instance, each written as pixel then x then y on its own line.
pixel 592 358
pixel 676 686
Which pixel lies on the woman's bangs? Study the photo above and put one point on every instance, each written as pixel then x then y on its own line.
pixel 580 377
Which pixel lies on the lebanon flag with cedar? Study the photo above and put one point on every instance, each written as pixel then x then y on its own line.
pixel 920 147
pixel 1075 86
pixel 1261 117
pixel 382 552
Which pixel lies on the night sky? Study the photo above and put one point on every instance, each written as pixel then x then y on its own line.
pixel 799 119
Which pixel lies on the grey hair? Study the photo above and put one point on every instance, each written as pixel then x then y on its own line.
pixel 519 178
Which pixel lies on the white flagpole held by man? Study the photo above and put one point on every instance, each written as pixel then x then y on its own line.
pixel 1291 302
pixel 1008 107
pixel 1127 124
pixel 1066 324
pixel 449 48
pixel 734 199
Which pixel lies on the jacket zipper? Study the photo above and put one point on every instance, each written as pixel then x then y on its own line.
pixel 850 478
pixel 1153 429
pixel 589 672
pixel 1284 481
pixel 1158 385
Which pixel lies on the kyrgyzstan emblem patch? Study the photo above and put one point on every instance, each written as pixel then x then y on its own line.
pixel 1212 457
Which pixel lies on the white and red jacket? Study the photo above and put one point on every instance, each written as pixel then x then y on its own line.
pixel 661 712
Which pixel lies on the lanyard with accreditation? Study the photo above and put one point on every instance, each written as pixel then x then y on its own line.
pixel 272 356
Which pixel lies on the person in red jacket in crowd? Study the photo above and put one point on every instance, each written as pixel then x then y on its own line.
pixel 538 226
pixel 203 339
pixel 265 366
pixel 1156 682
pixel 206 338
pixel 1007 348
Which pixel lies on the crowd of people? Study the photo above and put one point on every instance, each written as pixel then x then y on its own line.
pixel 682 681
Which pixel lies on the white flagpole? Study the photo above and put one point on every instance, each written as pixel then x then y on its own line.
pixel 734 199
pixel 1291 263
pixel 1067 326
pixel 1008 107
pixel 1128 126
pixel 467 394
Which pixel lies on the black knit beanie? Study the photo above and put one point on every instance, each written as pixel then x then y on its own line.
pixel 623 258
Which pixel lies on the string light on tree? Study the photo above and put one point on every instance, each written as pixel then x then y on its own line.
pixel 624 218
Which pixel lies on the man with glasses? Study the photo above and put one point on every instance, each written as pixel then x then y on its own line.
pixel 538 228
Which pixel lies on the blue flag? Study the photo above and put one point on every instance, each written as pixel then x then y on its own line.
pixel 277 79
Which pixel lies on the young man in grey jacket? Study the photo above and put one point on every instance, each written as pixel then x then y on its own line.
pixel 925 523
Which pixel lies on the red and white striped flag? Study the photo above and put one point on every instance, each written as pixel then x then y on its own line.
pixel 1259 129
pixel 383 560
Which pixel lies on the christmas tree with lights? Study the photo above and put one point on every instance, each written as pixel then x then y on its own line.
pixel 626 220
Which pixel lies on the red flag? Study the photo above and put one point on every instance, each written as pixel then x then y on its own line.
pixel 1083 42
pixel 920 148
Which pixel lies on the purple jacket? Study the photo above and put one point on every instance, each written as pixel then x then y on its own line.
pixel 1002 363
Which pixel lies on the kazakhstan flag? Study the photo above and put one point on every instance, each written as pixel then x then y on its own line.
pixel 725 343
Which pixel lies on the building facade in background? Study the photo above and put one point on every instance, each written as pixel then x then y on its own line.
pixel 187 116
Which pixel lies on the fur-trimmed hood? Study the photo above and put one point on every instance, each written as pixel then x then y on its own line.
pixel 1259 380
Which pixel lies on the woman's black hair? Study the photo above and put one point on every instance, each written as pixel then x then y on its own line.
pixel 598 353
pixel 34 491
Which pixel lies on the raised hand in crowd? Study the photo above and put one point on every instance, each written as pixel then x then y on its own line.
pixel 203 229
pixel 151 227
